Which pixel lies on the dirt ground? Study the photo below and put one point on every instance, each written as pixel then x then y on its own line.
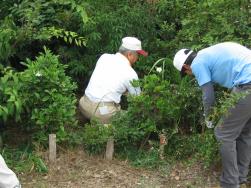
pixel 75 169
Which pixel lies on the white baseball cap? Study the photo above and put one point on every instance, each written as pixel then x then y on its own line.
pixel 181 57
pixel 132 43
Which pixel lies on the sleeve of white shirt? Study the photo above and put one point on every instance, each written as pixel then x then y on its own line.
pixel 133 90
pixel 8 178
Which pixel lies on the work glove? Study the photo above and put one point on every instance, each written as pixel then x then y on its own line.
pixel 209 124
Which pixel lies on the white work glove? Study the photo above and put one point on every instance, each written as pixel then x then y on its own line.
pixel 209 124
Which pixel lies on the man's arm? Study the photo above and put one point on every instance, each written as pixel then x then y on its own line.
pixel 133 90
pixel 208 97
pixel 132 84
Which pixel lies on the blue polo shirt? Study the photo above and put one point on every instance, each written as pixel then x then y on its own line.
pixel 227 64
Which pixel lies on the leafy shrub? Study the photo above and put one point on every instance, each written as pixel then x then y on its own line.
pixel 10 97
pixel 48 95
pixel 208 148
pixel 130 131
pixel 162 107
pixel 201 146
pixel 95 136
pixel 226 101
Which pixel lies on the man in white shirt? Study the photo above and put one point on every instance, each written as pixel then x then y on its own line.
pixel 8 178
pixel 111 78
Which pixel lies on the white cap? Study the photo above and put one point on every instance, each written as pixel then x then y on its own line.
pixel 132 43
pixel 180 58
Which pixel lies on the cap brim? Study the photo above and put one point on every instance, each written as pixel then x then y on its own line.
pixel 142 52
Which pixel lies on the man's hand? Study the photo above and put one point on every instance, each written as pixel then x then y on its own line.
pixel 209 124
pixel 125 93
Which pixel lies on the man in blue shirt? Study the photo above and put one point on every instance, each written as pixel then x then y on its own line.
pixel 229 65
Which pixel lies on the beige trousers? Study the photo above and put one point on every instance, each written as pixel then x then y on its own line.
pixel 102 111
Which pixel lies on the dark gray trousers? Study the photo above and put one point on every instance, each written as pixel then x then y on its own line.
pixel 234 135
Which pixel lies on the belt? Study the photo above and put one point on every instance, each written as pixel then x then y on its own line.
pixel 247 85
pixel 102 103
pixel 243 85
pixel 107 103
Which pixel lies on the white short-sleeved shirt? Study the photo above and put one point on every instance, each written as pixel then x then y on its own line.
pixel 111 78
pixel 228 64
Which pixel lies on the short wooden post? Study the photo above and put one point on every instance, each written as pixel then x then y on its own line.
pixel 163 142
pixel 52 147
pixel 109 149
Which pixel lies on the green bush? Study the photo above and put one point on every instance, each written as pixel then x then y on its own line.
pixel 202 147
pixel 95 136
pixel 208 148
pixel 10 97
pixel 48 96
pixel 163 107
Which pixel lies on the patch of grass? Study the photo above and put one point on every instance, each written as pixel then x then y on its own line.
pixel 23 159
pixel 146 159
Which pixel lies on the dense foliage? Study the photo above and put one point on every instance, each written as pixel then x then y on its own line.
pixel 51 104
pixel 41 97
pixel 40 92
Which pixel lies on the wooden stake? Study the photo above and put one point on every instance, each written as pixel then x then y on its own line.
pixel 109 149
pixel 163 142
pixel 52 147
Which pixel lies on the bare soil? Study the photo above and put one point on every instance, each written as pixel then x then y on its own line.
pixel 76 169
